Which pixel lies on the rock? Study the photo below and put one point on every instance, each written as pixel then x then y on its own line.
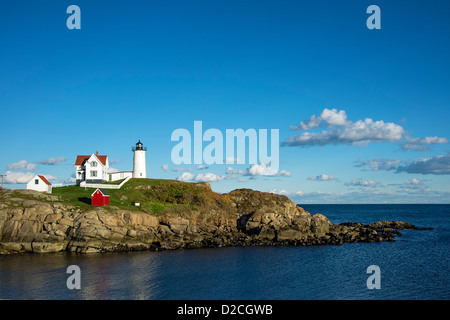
pixel 290 234
pixel 45 247
pixel 267 233
pixel 103 233
pixel 178 225
pixel 320 224
pixel 132 233
pixel 51 218
pixel 392 225
pixel 66 221
pixel 136 219
pixel 240 218
pixel 352 224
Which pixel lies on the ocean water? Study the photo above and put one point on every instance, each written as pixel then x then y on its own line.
pixel 416 266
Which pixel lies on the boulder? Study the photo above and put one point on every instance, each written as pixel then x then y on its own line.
pixel 178 225
pixel 290 234
pixel 47 247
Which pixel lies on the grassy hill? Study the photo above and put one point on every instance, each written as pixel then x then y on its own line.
pixel 156 196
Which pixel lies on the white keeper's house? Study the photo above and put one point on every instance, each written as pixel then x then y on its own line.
pixel 94 168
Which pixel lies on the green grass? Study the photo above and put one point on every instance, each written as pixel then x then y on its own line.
pixel 116 182
pixel 155 196
pixel 135 190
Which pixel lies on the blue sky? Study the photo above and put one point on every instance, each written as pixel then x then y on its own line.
pixel 311 69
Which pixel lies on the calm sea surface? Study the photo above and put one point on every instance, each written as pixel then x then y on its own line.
pixel 416 266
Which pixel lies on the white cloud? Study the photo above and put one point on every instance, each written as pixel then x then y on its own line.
pixel 361 132
pixel 113 161
pixel 208 177
pixel 230 170
pixel 264 170
pixel 322 177
pixel 339 130
pixel 372 195
pixel 70 180
pixel 379 164
pixel 111 170
pixel 201 177
pixel 18 177
pixel 186 176
pixel 31 166
pixel 362 183
pixel 414 184
pixel 422 144
pixel 165 167
pixel 180 169
pixel 343 131
pixel 53 161
pixel 329 117
pixel 50 177
pixel 23 177
pixel 439 165
pixel 282 191
pixel 22 165
pixel 258 170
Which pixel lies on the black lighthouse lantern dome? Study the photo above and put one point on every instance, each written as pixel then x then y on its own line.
pixel 139 146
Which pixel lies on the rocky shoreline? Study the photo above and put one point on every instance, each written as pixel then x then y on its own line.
pixel 40 223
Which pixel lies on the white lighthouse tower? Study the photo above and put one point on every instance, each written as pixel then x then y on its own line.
pixel 139 169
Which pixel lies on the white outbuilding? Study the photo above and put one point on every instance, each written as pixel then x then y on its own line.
pixel 39 183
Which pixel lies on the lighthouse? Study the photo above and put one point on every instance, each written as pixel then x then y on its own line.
pixel 139 151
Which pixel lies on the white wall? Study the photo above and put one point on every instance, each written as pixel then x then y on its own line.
pixel 139 169
pixel 40 186
pixel 119 175
pixel 99 168
pixel 104 185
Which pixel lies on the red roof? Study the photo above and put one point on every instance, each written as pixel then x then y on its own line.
pixel 81 159
pixel 103 192
pixel 44 179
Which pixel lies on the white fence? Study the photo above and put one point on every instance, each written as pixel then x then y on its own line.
pixel 104 185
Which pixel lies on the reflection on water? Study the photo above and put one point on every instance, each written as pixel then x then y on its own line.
pixel 414 267
pixel 103 276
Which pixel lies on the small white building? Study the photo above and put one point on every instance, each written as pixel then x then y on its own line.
pixel 39 183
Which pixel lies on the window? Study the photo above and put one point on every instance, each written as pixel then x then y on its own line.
pixel 93 173
pixel 141 174
pixel 93 164
pixel 36 181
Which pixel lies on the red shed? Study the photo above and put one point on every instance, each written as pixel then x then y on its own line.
pixel 100 198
